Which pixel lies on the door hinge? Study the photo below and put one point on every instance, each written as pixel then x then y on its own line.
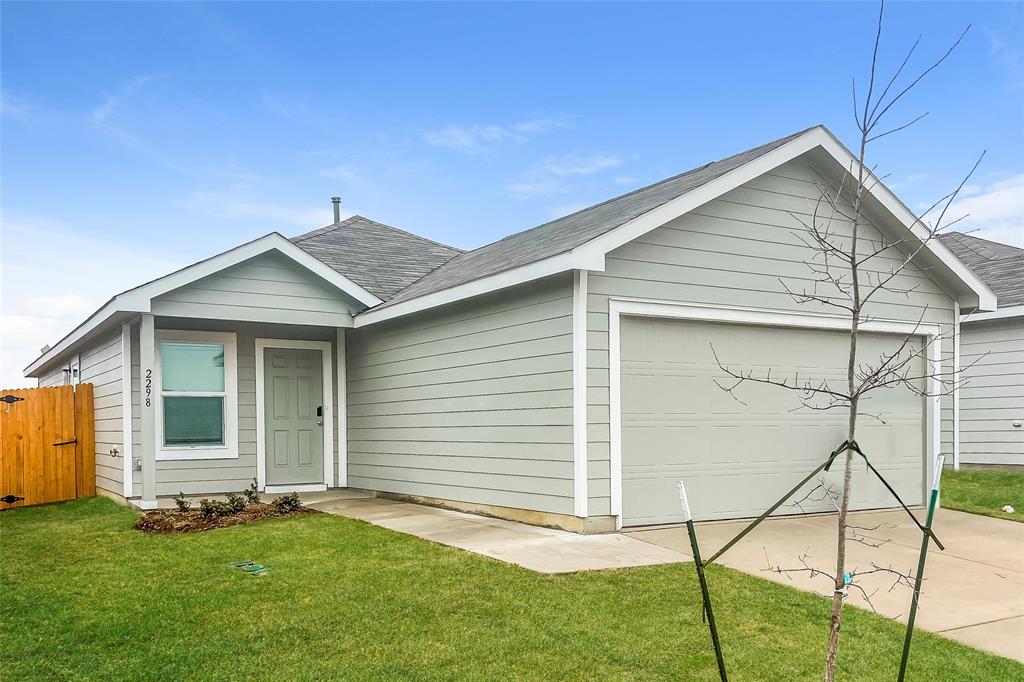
pixel 73 441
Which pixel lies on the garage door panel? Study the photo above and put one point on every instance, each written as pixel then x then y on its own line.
pixel 739 457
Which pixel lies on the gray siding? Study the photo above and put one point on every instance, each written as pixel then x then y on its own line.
pixel 992 397
pixel 731 251
pixel 101 367
pixel 471 402
pixel 267 288
pixel 198 477
pixel 55 377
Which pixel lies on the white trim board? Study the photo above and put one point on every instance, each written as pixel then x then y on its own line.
pixel 618 307
pixel 261 438
pixel 341 407
pixel 139 299
pixel 579 394
pixel 298 488
pixel 1001 314
pixel 127 435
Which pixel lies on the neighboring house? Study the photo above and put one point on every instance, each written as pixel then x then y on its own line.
pixel 989 427
pixel 560 376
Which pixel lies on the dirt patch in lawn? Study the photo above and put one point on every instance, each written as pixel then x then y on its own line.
pixel 177 521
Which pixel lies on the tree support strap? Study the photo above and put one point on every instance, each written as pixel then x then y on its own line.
pixel 753 524
pixel 825 466
pixel 926 529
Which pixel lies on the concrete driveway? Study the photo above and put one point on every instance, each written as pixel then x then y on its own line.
pixel 973 592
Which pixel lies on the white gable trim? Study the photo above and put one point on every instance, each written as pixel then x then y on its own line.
pixel 816 137
pixel 525 273
pixel 590 256
pixel 138 300
pixel 1001 314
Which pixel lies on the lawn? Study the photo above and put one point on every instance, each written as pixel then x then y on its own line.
pixel 984 491
pixel 86 597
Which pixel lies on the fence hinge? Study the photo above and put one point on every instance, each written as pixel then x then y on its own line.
pixel 73 441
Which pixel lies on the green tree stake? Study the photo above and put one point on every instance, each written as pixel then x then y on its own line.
pixel 706 596
pixel 926 537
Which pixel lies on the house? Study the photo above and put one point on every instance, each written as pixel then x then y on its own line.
pixel 563 375
pixel 988 426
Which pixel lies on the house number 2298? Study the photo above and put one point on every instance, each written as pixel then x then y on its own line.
pixel 149 387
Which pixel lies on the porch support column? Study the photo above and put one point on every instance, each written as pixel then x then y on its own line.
pixel 147 403
pixel 956 386
pixel 341 409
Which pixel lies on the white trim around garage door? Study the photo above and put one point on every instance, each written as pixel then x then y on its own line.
pixel 261 445
pixel 617 307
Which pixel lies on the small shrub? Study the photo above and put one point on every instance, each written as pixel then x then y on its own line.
pixel 252 493
pixel 181 503
pixel 237 503
pixel 286 504
pixel 211 509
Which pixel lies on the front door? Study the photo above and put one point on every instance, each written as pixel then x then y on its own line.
pixel 293 414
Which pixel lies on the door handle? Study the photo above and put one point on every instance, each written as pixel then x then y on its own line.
pixel 320 415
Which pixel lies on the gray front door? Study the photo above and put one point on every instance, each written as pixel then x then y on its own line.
pixel 293 414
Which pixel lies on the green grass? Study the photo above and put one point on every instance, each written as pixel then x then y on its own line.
pixel 86 597
pixel 984 491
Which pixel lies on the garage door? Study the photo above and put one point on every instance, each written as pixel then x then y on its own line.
pixel 738 459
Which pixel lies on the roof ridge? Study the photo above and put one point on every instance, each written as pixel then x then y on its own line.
pixel 353 218
pixel 324 230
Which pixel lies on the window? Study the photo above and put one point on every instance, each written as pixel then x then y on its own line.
pixel 197 414
pixel 71 372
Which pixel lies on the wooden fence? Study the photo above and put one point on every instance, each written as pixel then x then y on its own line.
pixel 47 445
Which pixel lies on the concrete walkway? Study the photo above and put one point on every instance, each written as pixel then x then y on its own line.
pixel 544 550
pixel 973 592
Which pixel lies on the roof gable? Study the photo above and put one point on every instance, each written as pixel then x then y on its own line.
pixel 381 258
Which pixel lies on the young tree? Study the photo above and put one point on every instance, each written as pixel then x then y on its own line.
pixel 847 276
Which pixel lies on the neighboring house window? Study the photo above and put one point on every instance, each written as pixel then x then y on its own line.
pixel 197 384
pixel 71 372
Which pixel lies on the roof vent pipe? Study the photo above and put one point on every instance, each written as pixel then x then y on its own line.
pixel 337 209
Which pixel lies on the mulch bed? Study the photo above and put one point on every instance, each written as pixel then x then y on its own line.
pixel 175 521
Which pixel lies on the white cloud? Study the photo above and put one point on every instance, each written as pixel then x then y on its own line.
pixel 13 107
pixel 560 211
pixel 242 203
pixel 580 165
pixel 106 109
pixel 996 211
pixel 626 180
pixel 480 138
pixel 551 175
pixel 52 277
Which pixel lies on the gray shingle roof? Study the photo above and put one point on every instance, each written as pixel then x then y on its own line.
pixel 999 266
pixel 381 259
pixel 576 229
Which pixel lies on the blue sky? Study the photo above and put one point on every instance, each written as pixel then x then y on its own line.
pixel 137 137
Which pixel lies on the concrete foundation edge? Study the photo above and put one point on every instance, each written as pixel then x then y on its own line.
pixel 575 524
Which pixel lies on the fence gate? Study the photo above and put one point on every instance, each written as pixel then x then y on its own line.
pixel 47 445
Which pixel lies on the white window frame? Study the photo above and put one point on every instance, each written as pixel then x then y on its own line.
pixel 73 371
pixel 229 450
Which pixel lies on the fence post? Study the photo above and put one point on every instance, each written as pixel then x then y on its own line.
pixel 85 446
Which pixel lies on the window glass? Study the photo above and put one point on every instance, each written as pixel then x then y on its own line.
pixel 192 366
pixel 193 420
